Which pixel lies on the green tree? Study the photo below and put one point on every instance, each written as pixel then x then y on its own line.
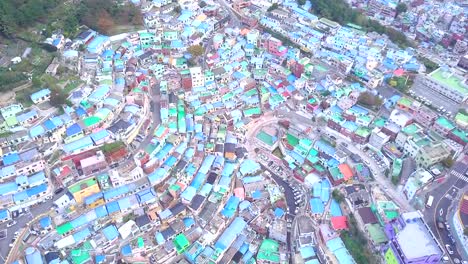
pixel 338 196
pixel 196 50
pixel 177 10
pixel 401 8
pixel 301 2
pixel 448 162
pixel 465 231
pixel 36 81
pixel 430 65
pixel 395 180
pixel 58 98
pixel 202 4
pixel 272 7
pixel 71 24
pixel 341 12
pixel 369 99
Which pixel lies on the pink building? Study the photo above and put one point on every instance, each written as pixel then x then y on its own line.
pixel 275 47
pixel 93 164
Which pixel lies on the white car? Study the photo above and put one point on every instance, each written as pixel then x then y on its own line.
pixel 12 223
pixel 449 249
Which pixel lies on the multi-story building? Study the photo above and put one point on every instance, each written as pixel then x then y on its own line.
pixel 432 154
pixel 463 62
pixel 418 180
pixel 84 188
pixel 460 221
pixel 411 241
pixel 382 8
pixel 275 47
pixel 378 138
pixel 445 82
pixel 406 133
pixel 197 77
pixel 443 126
pixel 415 142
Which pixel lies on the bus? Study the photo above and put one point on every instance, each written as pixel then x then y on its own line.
pixel 429 202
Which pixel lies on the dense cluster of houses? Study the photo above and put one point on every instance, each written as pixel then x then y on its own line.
pixel 151 149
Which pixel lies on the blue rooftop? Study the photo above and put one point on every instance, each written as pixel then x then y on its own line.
pixel 40 94
pixel 45 222
pixel 11 158
pixel 73 130
pixel 95 44
pixel 110 232
pixel 230 233
pixel 317 206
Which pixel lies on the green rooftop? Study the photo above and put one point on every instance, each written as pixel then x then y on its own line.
pixel 461 134
pixel 362 132
pixel 390 257
pixel 380 122
pixel 377 234
pixel 181 243
pixel 405 101
pixel 91 121
pixel 336 173
pixel 82 185
pixel 449 79
pixel 411 129
pixel 445 123
pixel 269 251
pixel 292 140
pixel 174 188
pixel 389 208
pixel 251 92
pixel 150 148
pixel 462 119
pixel 252 111
pixel 396 169
pixel 81 255
pixel 265 138
pixel 65 228
pixel 319 168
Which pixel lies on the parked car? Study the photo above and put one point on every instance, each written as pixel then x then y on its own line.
pixel 58 190
pixel 11 223
pixel 449 249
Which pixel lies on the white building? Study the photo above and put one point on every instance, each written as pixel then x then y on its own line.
pixel 198 78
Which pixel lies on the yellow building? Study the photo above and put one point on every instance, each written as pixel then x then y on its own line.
pixel 84 188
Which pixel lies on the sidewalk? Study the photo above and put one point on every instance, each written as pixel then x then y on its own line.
pixel 388 188
pixel 451 211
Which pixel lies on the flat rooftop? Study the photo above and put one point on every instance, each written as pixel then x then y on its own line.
pixel 415 240
pixel 449 79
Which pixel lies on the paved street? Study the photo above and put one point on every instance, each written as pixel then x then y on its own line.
pixel 444 195
pixel 386 91
pixel 436 98
pixel 227 6
pixel 384 182
pixel 380 178
pixel 21 223
pixel 155 106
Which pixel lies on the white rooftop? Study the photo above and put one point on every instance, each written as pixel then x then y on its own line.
pixel 414 239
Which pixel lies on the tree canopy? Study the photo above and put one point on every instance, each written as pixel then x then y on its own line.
pixel 196 50
pixel 341 12
pixel 301 2
pixel 15 14
pixel 401 8
pixel 57 97
pixel 100 15
pixel 369 100
pixel 272 7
